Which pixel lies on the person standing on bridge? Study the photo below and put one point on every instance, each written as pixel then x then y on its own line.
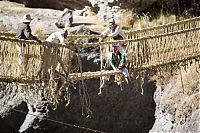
pixel 24 29
pixel 114 32
pixel 24 32
pixel 56 37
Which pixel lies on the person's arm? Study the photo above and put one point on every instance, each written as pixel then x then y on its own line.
pixel 111 61
pixel 27 33
pixel 104 34
pixel 122 61
pixel 116 32
pixel 60 37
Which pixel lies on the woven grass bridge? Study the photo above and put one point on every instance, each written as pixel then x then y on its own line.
pixel 30 62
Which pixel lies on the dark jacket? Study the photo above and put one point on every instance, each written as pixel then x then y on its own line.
pixel 24 32
pixel 117 60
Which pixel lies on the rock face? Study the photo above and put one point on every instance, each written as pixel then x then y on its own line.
pixel 177 103
pixel 54 4
pixel 180 7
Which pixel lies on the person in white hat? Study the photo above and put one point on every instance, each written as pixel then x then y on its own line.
pixel 24 30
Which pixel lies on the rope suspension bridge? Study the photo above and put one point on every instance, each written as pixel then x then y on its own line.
pixel 150 47
pixel 30 62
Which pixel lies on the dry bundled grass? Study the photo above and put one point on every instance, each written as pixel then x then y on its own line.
pixel 163 19
pixel 128 19
pixel 134 21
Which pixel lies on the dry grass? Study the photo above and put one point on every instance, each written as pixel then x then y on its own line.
pixel 128 19
pixel 131 20
pixel 163 19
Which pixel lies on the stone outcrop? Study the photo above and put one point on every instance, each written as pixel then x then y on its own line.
pixel 54 4
pixel 181 7
pixel 177 102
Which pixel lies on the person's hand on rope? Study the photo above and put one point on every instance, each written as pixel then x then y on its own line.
pixel 102 37
pixel 115 68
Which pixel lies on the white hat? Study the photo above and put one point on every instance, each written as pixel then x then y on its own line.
pixel 26 18
pixel 65 10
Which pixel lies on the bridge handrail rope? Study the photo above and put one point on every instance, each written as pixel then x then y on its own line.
pixel 5 38
pixel 97 44
pixel 11 34
pixel 163 26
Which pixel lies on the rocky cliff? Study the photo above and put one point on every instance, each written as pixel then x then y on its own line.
pixel 181 7
pixel 54 4
pixel 177 102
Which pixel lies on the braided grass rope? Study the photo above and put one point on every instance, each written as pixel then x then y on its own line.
pixel 171 27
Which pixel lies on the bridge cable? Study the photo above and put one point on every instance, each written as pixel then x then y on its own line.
pixel 56 121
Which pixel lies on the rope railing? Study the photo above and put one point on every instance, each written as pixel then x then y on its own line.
pixel 97 44
pixel 184 24
pixel 13 39
pixel 29 59
pixel 11 34
pixel 178 42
